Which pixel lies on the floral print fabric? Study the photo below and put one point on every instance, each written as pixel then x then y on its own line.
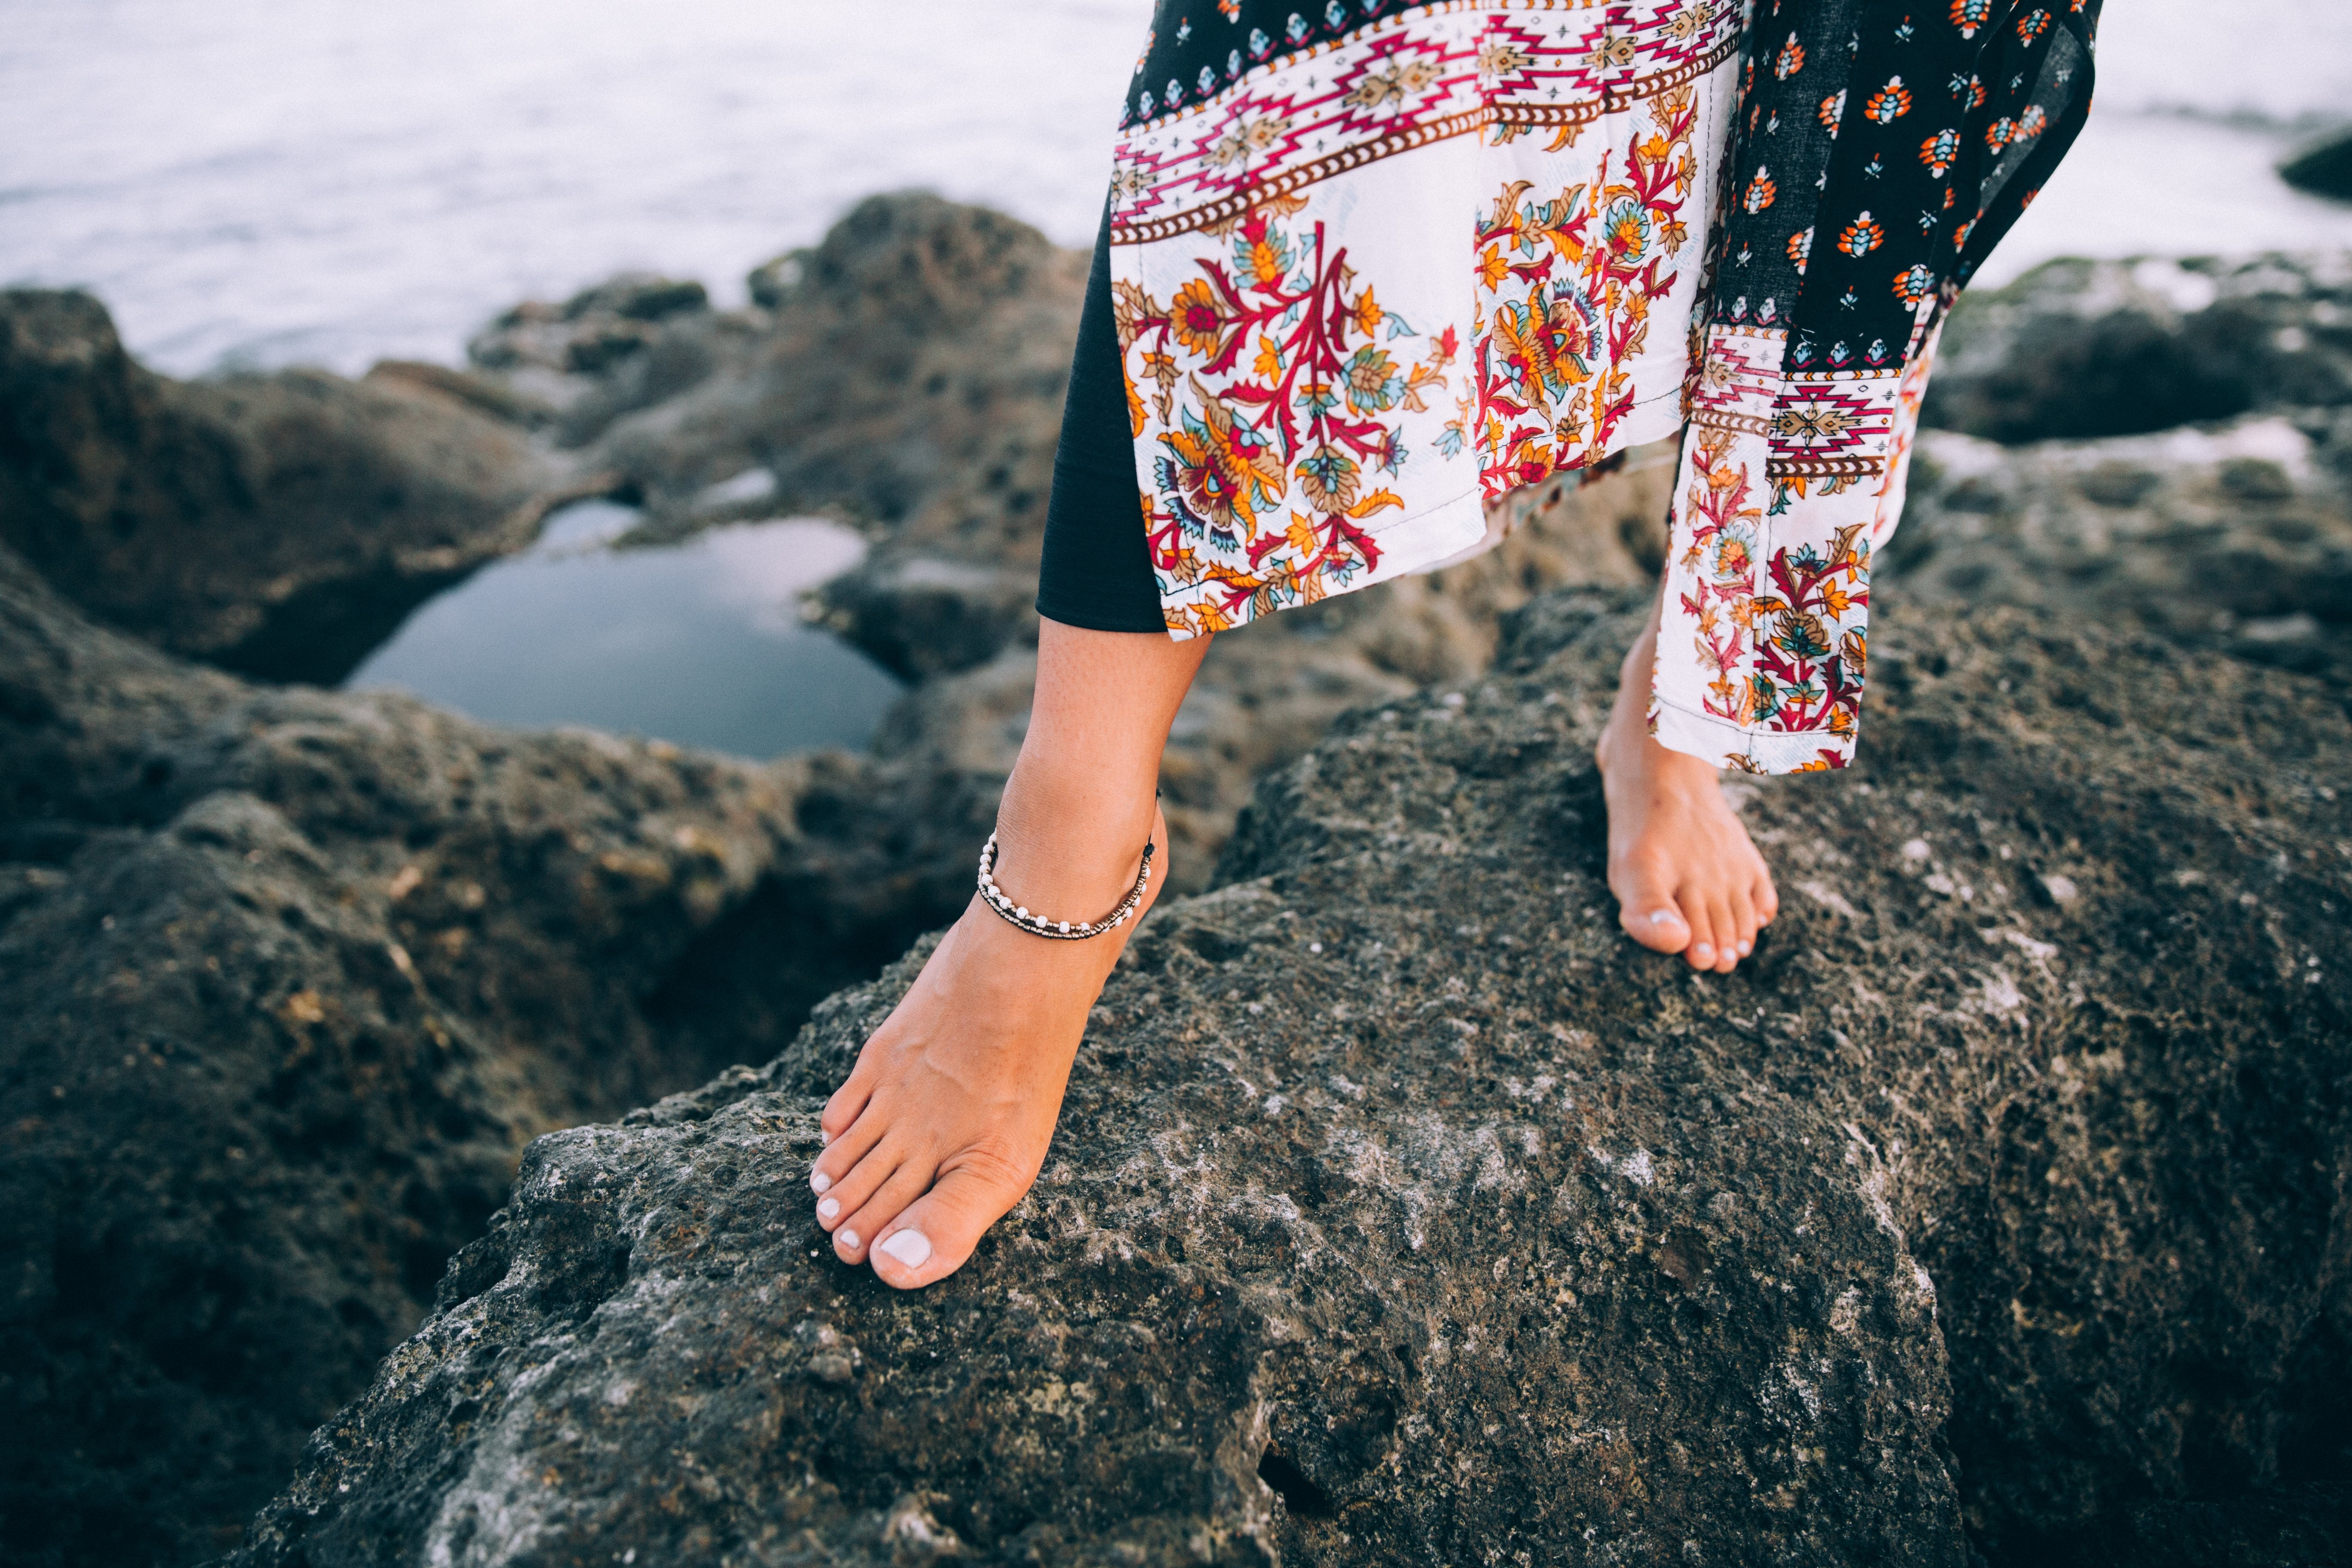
pixel 1879 152
pixel 1375 267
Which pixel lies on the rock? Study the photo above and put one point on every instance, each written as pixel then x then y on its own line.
pixel 591 332
pixel 279 525
pixel 1402 1211
pixel 2230 540
pixel 288 980
pixel 909 381
pixel 924 615
pixel 2324 168
pixel 2083 349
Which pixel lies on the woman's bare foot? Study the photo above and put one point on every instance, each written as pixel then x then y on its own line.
pixel 944 1122
pixel 1687 878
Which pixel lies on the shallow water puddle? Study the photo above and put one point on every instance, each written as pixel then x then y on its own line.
pixel 699 643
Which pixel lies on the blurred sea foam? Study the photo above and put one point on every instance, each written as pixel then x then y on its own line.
pixel 265 182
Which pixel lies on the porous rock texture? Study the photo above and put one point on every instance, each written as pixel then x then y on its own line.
pixel 2078 349
pixel 2232 539
pixel 286 981
pixel 1403 1212
pixel 280 525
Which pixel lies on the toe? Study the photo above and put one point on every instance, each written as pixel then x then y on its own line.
pixel 1647 909
pixel 840 1201
pixel 866 1221
pixel 1743 922
pixel 1726 933
pixel 845 1149
pixel 936 1234
pixel 1702 951
pixel 848 1102
pixel 1766 898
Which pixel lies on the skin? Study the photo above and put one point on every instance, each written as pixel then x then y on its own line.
pixel 944 1122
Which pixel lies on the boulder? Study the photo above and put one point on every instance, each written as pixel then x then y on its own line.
pixel 2082 349
pixel 279 525
pixel 1402 1211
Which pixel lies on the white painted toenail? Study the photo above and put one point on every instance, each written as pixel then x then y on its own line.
pixel 908 1247
pixel 819 1181
pixel 1660 917
pixel 823 1137
pixel 1745 948
pixel 827 1209
pixel 1705 953
pixel 847 1241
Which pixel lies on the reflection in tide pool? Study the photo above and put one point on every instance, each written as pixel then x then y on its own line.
pixel 698 643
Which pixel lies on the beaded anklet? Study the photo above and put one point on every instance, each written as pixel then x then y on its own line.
pixel 1060 931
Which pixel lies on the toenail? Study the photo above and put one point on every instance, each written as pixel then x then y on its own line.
pixel 1660 917
pixel 908 1247
pixel 819 1180
pixel 827 1209
pixel 1745 948
pixel 823 1137
pixel 847 1241
pixel 1704 952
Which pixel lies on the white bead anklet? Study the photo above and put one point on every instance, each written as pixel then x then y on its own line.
pixel 1060 931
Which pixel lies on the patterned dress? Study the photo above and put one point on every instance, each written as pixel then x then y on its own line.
pixel 1376 266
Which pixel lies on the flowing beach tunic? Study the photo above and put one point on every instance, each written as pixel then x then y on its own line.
pixel 1370 267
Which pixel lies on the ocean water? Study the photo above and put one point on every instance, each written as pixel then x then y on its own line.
pixel 260 183
pixel 265 182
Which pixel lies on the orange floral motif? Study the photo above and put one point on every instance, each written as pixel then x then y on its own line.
pixel 1969 15
pixel 1760 190
pixel 1889 103
pixel 1790 59
pixel 2033 25
pixel 1800 248
pixel 1832 110
pixel 1939 152
pixel 1914 283
pixel 1862 236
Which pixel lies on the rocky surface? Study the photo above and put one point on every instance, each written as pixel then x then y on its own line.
pixel 2231 540
pixel 2082 349
pixel 280 525
pixel 1402 1211
pixel 286 980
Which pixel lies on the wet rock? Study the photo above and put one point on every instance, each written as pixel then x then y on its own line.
pixel 922 615
pixel 1402 1212
pixel 279 525
pixel 2324 168
pixel 2232 541
pixel 2083 349
pixel 286 980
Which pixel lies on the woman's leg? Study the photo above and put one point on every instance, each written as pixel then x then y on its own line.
pixel 944 1122
pixel 1687 878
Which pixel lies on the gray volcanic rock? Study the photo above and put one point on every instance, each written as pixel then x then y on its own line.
pixel 1402 1211
pixel 286 981
pixel 2232 541
pixel 279 525
pixel 2083 349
